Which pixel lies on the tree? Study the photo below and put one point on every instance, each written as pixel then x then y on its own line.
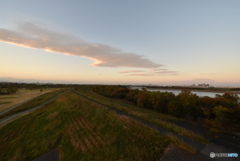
pixel 223 115
pixel 160 100
pixel 175 108
pixel 189 104
pixel 12 89
pixel 143 100
pixel 132 96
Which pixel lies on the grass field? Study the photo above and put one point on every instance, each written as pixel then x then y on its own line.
pixel 81 130
pixel 20 96
pixel 4 102
pixel 31 103
pixel 148 115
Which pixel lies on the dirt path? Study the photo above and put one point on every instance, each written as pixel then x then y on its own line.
pixel 204 150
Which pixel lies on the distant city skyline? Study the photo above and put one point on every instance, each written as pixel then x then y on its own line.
pixel 121 42
pixel 15 80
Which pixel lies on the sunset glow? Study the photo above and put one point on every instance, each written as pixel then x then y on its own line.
pixel 170 43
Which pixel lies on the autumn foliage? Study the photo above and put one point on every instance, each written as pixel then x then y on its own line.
pixel 221 112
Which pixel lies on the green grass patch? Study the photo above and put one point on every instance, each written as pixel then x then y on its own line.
pixel 30 104
pixel 7 97
pixel 81 130
pixel 4 102
pixel 147 115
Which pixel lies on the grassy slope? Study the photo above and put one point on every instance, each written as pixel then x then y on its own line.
pixel 4 102
pixel 81 130
pixel 20 96
pixel 30 104
pixel 148 115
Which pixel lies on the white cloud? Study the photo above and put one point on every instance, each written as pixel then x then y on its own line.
pixel 30 35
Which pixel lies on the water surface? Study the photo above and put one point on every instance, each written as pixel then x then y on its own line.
pixel 176 92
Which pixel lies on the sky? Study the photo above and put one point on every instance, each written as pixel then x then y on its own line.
pixel 162 42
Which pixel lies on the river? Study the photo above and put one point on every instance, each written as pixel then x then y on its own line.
pixel 176 92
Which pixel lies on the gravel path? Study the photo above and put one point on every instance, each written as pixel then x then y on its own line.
pixel 227 141
pixel 53 155
pixel 173 153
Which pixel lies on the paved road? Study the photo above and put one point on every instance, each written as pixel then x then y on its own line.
pixel 32 109
pixel 204 150
pixel 228 141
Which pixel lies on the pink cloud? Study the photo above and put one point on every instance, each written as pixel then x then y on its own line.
pixel 30 35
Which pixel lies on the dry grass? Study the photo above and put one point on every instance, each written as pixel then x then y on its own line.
pixel 82 135
pixel 21 96
pixel 53 115
pixel 181 144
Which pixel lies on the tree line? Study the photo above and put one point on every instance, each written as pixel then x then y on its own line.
pixel 220 112
pixel 12 88
pixel 9 90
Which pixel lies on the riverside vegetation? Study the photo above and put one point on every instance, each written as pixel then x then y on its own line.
pixel 219 113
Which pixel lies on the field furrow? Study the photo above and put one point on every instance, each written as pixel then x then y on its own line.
pixel 71 130
pixel 95 137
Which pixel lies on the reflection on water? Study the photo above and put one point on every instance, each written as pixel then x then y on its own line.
pixel 176 92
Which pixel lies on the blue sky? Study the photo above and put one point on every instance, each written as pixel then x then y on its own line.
pixel 174 42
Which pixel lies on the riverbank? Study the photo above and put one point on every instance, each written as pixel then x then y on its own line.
pixel 200 90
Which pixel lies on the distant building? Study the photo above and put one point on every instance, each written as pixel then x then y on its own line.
pixel 203 85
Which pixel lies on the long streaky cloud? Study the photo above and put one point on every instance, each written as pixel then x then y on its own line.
pixel 154 70
pixel 30 35
pixel 131 71
pixel 141 74
pixel 166 72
